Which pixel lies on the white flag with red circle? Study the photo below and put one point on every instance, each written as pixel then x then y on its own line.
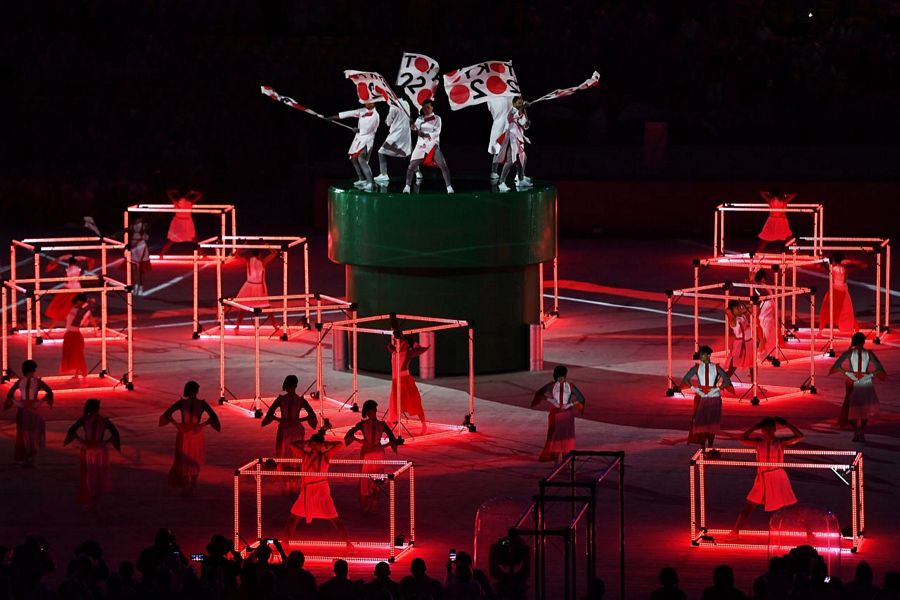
pixel 593 81
pixel 418 76
pixel 479 83
pixel 372 87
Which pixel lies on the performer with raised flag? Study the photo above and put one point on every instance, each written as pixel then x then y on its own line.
pixel 363 141
pixel 399 139
pixel 428 150
pixel 516 123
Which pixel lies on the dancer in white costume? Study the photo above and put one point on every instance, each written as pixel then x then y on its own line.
pixel 399 139
pixel 363 142
pixel 428 149
pixel 497 146
pixel 711 380
pixel 517 122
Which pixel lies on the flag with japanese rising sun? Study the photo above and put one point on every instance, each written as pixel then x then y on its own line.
pixel 479 83
pixel 372 87
pixel 418 76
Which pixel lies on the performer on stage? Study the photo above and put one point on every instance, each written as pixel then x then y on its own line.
pixel 771 488
pixel 30 426
pixel 190 445
pixel 741 353
pixel 499 108
pixel 428 149
pixel 399 139
pixel 182 227
pixel 767 323
pixel 290 425
pixel 95 478
pixel 314 501
pixel 861 367
pixel 372 430
pixel 707 416
pixel 403 352
pixel 564 399
pixel 517 123
pixel 61 304
pixel 844 319
pixel 776 228
pixel 255 287
pixel 73 360
pixel 363 142
pixel 138 240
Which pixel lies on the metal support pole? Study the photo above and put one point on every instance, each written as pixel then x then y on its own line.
pixel 393 526
pixel 37 291
pixel 104 318
pixel 754 325
pixel 4 367
pixel 812 340
pixel 669 382
pixel 412 505
pixel 877 295
pixel 233 230
pixel 555 285
pixel 887 288
pixel 258 501
pixel 29 308
pixel 196 291
pixel 221 314
pixel 541 291
pixel 12 291
pixel 129 323
pixel 696 309
pixel 257 394
pixel 284 293
pixel 716 234
pixel 306 277
pixel 471 376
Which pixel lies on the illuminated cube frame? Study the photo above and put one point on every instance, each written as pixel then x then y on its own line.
pixel 783 266
pixel 267 467
pixel 227 222
pixel 320 304
pixel 699 462
pixel 880 247
pixel 723 292
pixel 281 244
pixel 816 210
pixel 352 327
pixel 32 308
pixel 39 246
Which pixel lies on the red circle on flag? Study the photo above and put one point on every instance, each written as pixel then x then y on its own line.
pixel 362 91
pixel 496 85
pixel 459 94
pixel 498 67
pixel 423 95
pixel 451 76
pixel 381 92
pixel 421 64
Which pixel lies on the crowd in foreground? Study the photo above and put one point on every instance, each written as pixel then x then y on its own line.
pixel 267 572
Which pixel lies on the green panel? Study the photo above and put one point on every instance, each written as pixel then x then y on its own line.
pixel 499 303
pixel 475 229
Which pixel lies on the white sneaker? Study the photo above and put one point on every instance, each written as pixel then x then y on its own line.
pixel 405 189
pixel 419 175
pixel 503 187
pixel 525 183
pixel 359 183
pixel 449 189
pixel 382 178
pixel 495 176
pixel 369 187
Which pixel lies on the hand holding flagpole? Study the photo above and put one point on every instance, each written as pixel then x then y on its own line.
pixel 266 90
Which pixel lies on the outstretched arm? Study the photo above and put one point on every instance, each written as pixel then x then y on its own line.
pixel 542 394
pixel 72 433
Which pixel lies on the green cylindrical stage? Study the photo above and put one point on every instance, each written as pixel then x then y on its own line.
pixel 471 255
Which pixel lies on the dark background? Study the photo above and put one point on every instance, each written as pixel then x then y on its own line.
pixel 107 103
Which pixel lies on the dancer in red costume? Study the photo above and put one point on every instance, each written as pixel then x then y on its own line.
pixel 564 399
pixel 95 475
pixel 291 426
pixel 771 488
pixel 776 228
pixel 844 319
pixel 73 360
pixel 61 304
pixel 372 430
pixel 860 367
pixel 190 444
pixel 181 229
pixel 255 286
pixel 403 352
pixel 707 416
pixel 740 354
pixel 315 501
pixel 30 426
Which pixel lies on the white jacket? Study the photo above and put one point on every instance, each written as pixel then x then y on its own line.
pixel 367 125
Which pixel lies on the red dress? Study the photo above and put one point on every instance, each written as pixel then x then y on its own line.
pixel 410 399
pixel 182 227
pixel 740 355
pixel 844 319
pixel 290 429
pixel 73 343
pixel 30 426
pixel 314 501
pixel 776 228
pixel 560 422
pixel 255 286
pixel 190 444
pixel 371 449
pixel 771 488
pixel 95 473
pixel 61 304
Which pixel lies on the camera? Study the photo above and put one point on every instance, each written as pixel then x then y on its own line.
pixel 453 554
pixel 198 557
